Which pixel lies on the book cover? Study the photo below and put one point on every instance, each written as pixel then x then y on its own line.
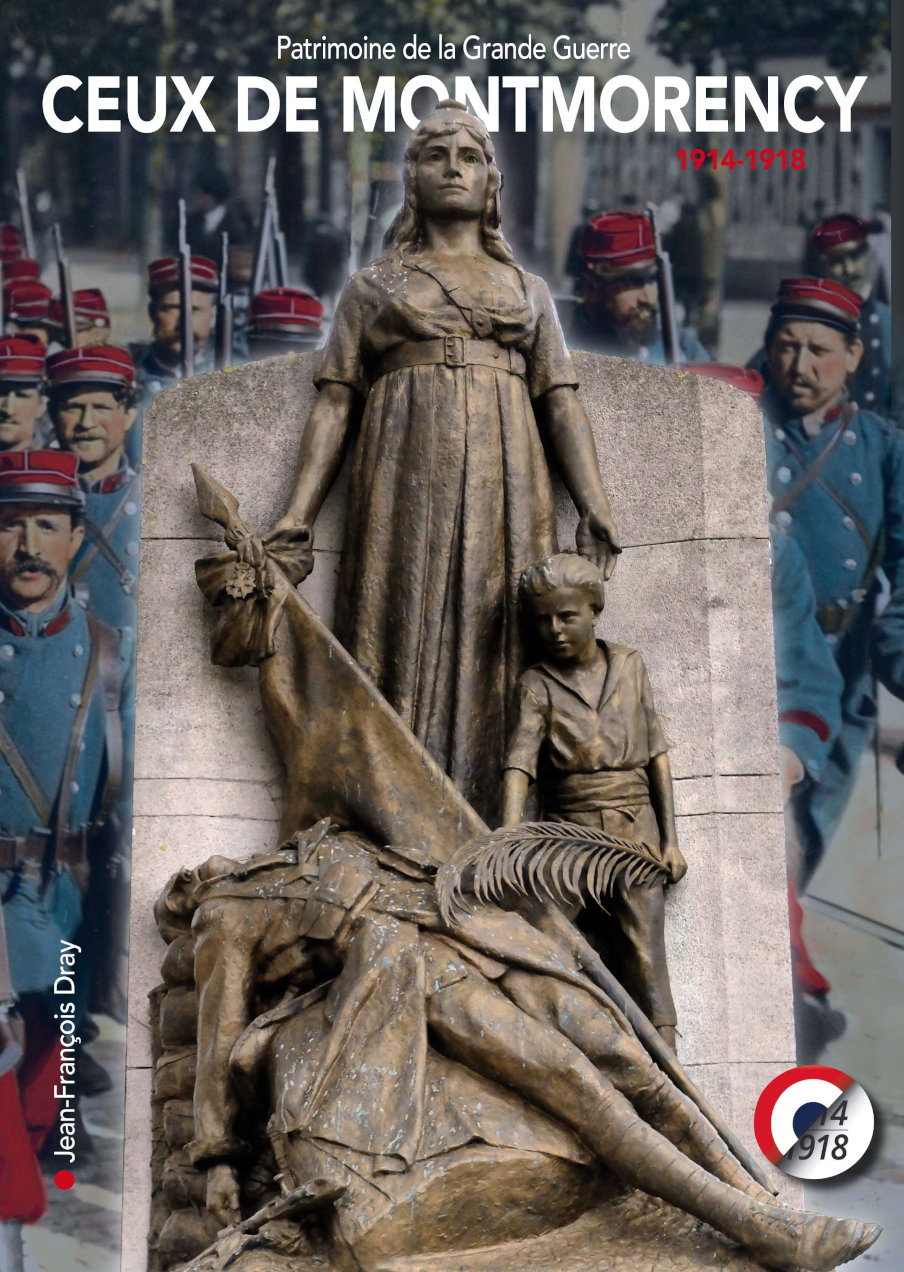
pixel 252 159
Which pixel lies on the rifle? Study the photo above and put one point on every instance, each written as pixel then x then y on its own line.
pixel 24 214
pixel 279 238
pixel 69 327
pixel 186 328
pixel 670 339
pixel 271 266
pixel 368 245
pixel 224 333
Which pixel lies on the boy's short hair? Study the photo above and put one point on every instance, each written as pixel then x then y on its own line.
pixel 565 569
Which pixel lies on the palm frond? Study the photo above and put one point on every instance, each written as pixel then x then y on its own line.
pixel 549 861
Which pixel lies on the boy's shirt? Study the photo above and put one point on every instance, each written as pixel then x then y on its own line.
pixel 620 732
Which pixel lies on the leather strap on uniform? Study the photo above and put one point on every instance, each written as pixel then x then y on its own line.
pixel 99 541
pixel 24 776
pixel 64 794
pixel 873 546
pixel 453 351
pixel 809 475
pixel 105 640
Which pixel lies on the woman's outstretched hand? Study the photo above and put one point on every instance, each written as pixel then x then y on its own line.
pixel 597 540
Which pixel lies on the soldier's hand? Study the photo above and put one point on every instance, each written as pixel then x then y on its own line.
pixel 291 545
pixel 223 1195
pixel 673 860
pixel 793 771
pixel 597 540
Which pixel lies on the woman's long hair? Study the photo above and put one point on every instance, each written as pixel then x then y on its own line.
pixel 407 230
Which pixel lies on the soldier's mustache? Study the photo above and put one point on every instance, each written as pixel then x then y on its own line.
pixel 33 565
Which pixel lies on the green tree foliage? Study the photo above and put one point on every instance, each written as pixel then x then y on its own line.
pixel 852 34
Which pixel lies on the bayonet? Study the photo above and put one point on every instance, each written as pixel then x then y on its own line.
pixel 186 327
pixel 265 267
pixel 280 258
pixel 671 341
pixel 70 331
pixel 24 213
pixel 224 335
pixel 368 245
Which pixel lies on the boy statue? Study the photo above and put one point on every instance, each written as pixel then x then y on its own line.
pixel 585 728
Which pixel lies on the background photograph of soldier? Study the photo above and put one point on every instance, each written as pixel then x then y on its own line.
pixel 836 475
pixel 626 302
pixel 23 397
pixel 160 362
pixel 283 319
pixel 92 319
pixel 838 248
pixel 302 211
pixel 93 407
pixel 65 737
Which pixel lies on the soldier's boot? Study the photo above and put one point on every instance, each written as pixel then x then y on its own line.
pixel 778 1238
pixel 674 1116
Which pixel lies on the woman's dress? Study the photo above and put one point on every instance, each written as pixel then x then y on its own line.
pixel 450 496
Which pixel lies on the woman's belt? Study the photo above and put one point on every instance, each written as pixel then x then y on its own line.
pixel 453 351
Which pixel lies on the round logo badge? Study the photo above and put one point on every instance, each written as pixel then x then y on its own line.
pixel 813 1122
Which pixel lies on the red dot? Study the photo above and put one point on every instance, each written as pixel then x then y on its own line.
pixel 64 1179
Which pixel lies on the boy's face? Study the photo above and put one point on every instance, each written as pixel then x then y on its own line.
pixel 564 622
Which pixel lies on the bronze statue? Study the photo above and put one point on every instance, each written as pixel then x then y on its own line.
pixel 448 359
pixel 586 729
pixel 386 1038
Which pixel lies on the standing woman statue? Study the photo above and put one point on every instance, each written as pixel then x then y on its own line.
pixel 446 362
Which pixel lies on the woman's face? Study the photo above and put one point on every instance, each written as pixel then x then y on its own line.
pixel 451 177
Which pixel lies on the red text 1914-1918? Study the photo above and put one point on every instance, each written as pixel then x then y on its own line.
pixel 750 159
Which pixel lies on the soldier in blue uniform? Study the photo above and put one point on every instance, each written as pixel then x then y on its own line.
pixel 618 312
pixel 839 250
pixel 22 393
pixel 26 303
pixel 158 361
pixel 836 474
pixel 93 407
pixel 65 698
